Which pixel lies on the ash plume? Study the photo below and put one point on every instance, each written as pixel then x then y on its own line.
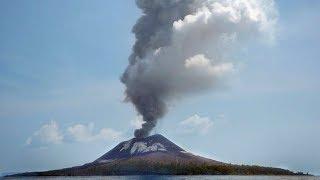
pixel 186 46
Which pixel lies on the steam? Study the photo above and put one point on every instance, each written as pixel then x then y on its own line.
pixel 185 46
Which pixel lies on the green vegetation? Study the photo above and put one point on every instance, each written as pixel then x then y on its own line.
pixel 143 168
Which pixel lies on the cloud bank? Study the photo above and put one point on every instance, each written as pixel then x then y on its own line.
pixel 47 134
pixel 83 133
pixel 50 133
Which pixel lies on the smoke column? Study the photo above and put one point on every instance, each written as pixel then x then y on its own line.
pixel 185 47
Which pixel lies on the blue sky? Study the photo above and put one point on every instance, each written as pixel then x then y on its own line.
pixel 60 63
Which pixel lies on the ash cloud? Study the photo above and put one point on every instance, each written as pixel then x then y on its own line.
pixel 185 47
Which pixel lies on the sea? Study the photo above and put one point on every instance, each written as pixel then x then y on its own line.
pixel 174 178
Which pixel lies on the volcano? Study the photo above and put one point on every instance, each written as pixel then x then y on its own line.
pixel 156 155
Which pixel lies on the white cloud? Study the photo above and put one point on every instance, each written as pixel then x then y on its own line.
pixel 196 124
pixel 85 133
pixel 47 134
pixel 51 134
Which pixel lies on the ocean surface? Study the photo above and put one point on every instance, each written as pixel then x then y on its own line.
pixel 177 178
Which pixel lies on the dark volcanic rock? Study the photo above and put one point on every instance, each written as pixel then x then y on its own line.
pixel 141 146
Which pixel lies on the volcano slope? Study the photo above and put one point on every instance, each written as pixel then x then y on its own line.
pixel 156 155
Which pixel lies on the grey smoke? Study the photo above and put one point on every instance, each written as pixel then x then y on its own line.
pixel 185 46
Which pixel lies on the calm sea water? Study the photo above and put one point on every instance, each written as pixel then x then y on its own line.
pixel 176 178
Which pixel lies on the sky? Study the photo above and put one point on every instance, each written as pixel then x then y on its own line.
pixel 62 103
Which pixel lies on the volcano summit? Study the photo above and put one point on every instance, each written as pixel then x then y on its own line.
pixel 156 155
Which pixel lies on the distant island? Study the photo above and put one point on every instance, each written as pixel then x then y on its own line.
pixel 156 155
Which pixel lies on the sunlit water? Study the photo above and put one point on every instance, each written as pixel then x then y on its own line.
pixel 178 178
